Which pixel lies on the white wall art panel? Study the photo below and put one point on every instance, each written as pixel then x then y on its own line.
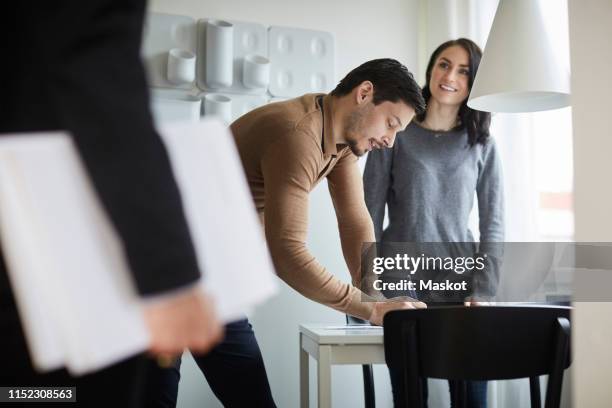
pixel 249 40
pixel 170 105
pixel 218 104
pixel 303 61
pixel 164 33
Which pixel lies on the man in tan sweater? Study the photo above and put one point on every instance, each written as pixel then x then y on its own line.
pixel 288 147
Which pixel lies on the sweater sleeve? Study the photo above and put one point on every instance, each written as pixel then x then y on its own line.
pixel 288 174
pixel 490 193
pixel 377 183
pixel 354 223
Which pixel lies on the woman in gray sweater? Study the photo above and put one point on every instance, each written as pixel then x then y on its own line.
pixel 443 159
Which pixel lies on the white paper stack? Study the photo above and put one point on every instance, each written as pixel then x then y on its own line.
pixel 76 298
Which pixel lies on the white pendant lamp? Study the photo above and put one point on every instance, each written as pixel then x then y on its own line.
pixel 519 71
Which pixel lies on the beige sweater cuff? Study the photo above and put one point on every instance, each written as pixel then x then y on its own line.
pixel 361 305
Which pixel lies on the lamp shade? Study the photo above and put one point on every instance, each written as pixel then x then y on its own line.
pixel 519 70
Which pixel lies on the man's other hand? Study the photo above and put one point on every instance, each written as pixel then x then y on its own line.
pixel 381 308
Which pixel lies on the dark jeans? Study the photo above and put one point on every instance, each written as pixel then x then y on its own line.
pixel 234 370
pixel 476 393
pixel 120 385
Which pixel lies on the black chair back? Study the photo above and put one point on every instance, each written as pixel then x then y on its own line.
pixel 477 343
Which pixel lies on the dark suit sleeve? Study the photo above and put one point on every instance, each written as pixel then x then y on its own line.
pixel 99 89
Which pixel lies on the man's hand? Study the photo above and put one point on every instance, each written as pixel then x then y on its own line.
pixel 381 308
pixel 184 321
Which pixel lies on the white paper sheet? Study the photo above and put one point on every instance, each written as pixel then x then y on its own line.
pixel 75 296
pixel 229 239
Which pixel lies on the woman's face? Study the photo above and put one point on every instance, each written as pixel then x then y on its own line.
pixel 450 76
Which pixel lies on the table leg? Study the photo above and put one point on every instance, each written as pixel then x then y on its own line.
pixel 304 378
pixel 324 377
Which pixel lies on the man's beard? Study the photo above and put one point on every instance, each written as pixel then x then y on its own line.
pixel 354 127
pixel 354 148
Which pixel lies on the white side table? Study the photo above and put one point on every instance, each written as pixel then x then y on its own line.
pixel 336 345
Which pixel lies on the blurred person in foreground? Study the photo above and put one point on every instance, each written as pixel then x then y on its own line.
pixel 75 66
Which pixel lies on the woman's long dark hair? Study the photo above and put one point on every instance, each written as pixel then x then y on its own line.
pixel 476 122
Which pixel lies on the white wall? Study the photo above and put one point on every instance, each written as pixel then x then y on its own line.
pixel 364 30
pixel 591 59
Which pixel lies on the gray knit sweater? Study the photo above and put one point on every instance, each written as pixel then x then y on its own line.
pixel 428 180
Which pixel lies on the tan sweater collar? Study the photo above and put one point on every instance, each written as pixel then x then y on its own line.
pixel 329 141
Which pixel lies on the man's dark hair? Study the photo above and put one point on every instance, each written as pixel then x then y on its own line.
pixel 392 82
